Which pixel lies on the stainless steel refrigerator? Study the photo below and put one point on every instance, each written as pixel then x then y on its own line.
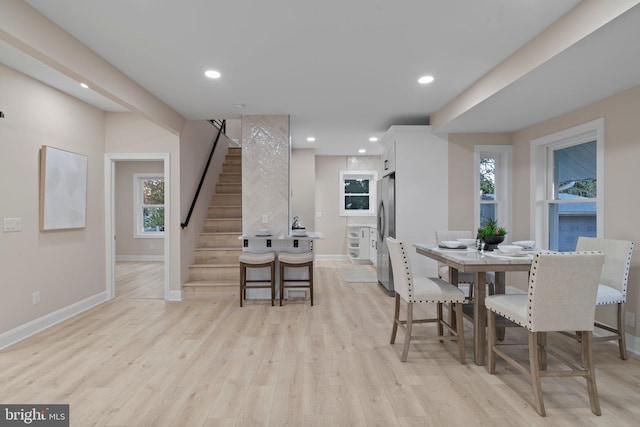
pixel 386 228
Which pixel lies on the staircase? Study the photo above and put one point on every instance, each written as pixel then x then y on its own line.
pixel 216 257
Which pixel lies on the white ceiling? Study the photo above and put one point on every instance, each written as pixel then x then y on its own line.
pixel 343 70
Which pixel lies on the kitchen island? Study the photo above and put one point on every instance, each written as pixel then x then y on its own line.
pixel 278 243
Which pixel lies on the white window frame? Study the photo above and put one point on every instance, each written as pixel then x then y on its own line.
pixel 372 176
pixel 542 175
pixel 138 205
pixel 504 184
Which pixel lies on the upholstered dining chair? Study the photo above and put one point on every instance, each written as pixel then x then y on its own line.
pixel 561 297
pixel 465 280
pixel 423 290
pixel 613 283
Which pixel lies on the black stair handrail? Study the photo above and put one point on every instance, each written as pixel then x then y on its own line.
pixel 221 125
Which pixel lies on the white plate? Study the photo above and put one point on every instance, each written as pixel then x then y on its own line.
pixel 527 244
pixel 498 254
pixel 451 244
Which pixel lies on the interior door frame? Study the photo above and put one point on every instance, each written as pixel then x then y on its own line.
pixel 110 216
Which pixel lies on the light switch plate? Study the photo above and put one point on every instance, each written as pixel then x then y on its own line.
pixel 12 224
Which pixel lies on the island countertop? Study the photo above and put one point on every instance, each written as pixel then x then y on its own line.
pixel 309 235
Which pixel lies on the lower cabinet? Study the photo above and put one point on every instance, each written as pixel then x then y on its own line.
pixel 359 239
pixel 373 246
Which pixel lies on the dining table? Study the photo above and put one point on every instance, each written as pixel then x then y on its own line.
pixel 479 263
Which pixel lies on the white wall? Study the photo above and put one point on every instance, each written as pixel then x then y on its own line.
pixel 622 152
pixel 66 267
pixel 129 247
pixel 131 133
pixel 303 187
pixel 196 140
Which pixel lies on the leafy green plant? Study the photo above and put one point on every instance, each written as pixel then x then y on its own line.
pixel 491 228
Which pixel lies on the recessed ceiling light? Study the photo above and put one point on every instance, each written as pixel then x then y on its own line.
pixel 362 151
pixel 425 79
pixel 84 85
pixel 373 139
pixel 239 106
pixel 212 74
pixel 311 139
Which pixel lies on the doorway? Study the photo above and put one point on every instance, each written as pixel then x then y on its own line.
pixel 111 161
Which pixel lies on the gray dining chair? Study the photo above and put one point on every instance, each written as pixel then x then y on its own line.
pixel 423 290
pixel 561 297
pixel 612 289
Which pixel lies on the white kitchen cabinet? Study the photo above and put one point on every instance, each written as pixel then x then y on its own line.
pixel 373 246
pixel 418 200
pixel 389 158
pixel 358 242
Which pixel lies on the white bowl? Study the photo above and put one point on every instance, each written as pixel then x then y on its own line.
pixel 509 249
pixel 299 232
pixel 264 232
pixel 451 244
pixel 525 243
pixel 467 242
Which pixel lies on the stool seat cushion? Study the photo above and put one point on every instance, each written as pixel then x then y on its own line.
pixel 257 258
pixel 295 258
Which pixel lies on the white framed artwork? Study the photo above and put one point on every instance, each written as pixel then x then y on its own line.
pixel 63 189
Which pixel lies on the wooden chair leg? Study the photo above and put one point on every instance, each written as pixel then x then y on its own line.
pixel 622 340
pixel 491 341
pixel 439 318
pixel 460 333
pixel 407 332
pixel 542 350
pixel 591 374
pixel 396 319
pixel 534 367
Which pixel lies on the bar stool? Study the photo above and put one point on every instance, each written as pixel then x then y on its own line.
pixel 257 260
pixel 296 260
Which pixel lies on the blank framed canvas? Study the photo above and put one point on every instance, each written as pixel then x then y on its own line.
pixel 63 189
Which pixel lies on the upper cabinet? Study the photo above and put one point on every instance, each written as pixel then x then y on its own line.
pixel 389 156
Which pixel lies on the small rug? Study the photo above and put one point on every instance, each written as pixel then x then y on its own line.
pixel 359 274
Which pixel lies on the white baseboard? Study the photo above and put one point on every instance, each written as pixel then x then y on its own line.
pixel 28 329
pixel 159 258
pixel 633 344
pixel 175 296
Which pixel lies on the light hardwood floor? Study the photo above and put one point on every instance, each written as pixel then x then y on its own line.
pixel 141 361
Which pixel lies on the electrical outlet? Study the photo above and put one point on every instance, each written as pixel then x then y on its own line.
pixel 36 297
pixel 12 224
pixel 265 219
pixel 630 319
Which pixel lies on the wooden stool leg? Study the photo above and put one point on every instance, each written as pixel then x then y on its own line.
pixel 243 273
pixel 281 282
pixel 311 282
pixel 273 282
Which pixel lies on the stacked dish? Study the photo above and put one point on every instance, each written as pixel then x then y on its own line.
pixel 525 244
pixel 509 249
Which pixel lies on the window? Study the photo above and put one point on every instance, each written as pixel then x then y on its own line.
pixel 568 187
pixel 492 184
pixel 148 205
pixel 358 193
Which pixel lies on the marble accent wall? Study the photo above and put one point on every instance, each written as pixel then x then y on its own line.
pixel 266 154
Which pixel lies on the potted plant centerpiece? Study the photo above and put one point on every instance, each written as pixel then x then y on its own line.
pixel 491 234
